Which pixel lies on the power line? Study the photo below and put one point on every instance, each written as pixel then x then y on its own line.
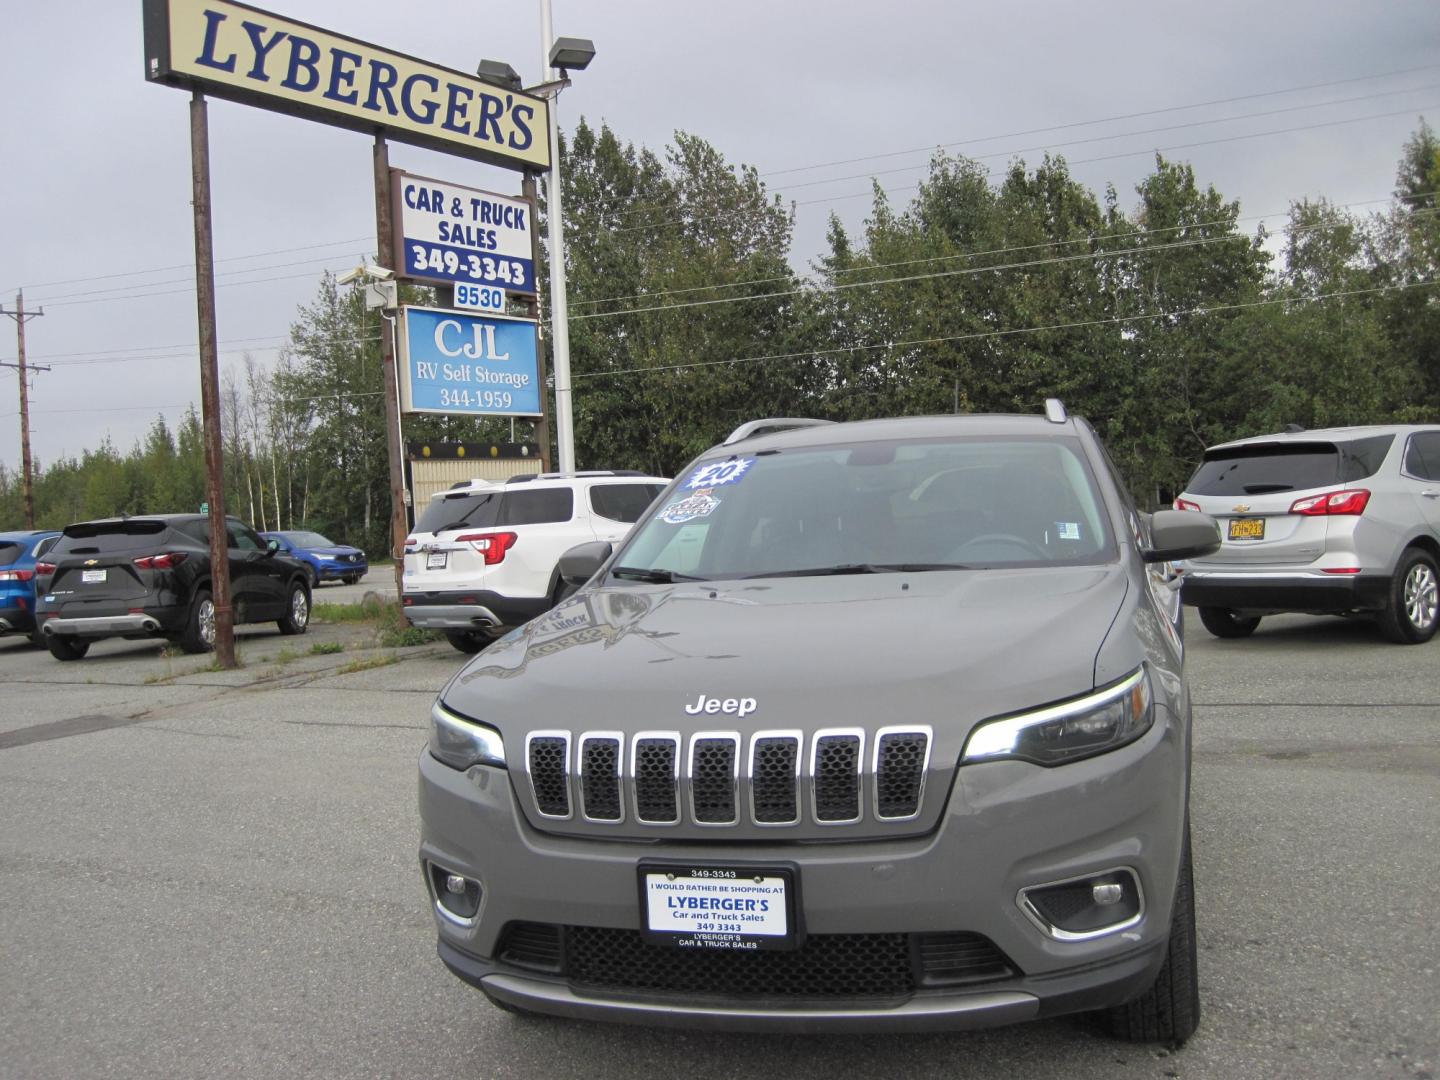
pixel 1085 256
pixel 1108 119
pixel 183 280
pixel 1081 161
pixel 189 266
pixel 854 160
pixel 1118 135
pixel 1115 320
pixel 1086 239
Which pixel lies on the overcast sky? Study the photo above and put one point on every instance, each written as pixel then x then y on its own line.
pixel 95 219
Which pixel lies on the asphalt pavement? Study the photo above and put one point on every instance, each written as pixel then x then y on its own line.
pixel 214 874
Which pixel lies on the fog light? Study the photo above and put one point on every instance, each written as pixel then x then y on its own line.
pixel 1104 895
pixel 457 898
pixel 1078 909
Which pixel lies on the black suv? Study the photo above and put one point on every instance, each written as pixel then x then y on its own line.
pixel 145 577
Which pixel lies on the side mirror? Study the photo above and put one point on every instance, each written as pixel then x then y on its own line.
pixel 272 547
pixel 1181 534
pixel 579 564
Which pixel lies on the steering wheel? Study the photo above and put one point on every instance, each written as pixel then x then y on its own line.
pixel 1003 538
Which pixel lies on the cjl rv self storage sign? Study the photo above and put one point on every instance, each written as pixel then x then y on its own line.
pixel 458 363
pixel 450 233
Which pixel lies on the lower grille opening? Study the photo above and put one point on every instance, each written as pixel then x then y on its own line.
pixel 959 958
pixel 826 967
pixel 532 945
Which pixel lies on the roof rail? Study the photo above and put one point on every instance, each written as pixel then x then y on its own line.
pixel 775 423
pixel 1055 410
pixel 521 478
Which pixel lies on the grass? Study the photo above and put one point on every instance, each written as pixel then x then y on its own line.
pixel 286 655
pixel 366 665
pixel 326 648
pixel 368 610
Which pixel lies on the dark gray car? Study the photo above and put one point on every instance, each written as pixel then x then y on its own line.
pixel 872 726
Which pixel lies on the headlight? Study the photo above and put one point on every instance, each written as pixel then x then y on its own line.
pixel 1090 725
pixel 461 743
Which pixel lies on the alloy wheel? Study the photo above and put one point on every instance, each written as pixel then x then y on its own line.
pixel 1422 596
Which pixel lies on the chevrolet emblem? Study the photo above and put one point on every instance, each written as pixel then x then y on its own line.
pixel 91 562
pixel 1240 508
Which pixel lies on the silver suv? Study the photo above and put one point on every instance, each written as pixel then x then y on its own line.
pixel 872 726
pixel 1331 521
pixel 482 557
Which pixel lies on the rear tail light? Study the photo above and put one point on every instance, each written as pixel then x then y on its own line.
pixel 16 575
pixel 44 569
pixel 1352 502
pixel 492 545
pixel 411 543
pixel 1186 504
pixel 168 561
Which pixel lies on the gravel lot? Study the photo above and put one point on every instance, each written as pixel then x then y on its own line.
pixel 213 874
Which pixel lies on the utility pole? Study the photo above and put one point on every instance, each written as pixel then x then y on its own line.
pixel 21 317
pixel 222 612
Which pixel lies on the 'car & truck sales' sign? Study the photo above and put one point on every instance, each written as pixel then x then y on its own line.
pixel 459 363
pixel 239 52
pixel 451 233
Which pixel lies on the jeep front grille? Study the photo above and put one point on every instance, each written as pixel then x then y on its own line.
pixel 835 776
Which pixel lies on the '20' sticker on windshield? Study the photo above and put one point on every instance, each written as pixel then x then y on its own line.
pixel 719 473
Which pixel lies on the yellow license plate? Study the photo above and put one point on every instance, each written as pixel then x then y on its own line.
pixel 1247 528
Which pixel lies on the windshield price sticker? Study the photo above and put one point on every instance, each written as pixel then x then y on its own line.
pixel 450 233
pixel 718 909
pixel 718 473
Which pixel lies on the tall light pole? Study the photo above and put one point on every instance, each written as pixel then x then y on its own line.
pixel 557 58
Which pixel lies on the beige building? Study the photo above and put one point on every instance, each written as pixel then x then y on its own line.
pixel 438 466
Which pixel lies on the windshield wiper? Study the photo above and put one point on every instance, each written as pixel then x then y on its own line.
pixel 654 577
pixel 864 568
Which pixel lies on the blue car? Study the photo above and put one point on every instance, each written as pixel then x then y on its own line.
pixel 18 552
pixel 328 561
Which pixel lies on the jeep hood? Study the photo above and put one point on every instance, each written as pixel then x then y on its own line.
pixel 856 650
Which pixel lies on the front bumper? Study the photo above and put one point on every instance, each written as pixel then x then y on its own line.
pixel 978 1008
pixel 1008 826
pixel 1301 591
pixel 338 571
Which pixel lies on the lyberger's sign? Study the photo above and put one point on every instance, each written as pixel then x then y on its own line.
pixel 235 51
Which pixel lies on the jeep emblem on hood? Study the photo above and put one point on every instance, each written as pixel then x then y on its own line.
pixel 731 706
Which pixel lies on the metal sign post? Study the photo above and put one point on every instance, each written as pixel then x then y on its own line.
pixel 385 249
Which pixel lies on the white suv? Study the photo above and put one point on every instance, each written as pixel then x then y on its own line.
pixel 482 557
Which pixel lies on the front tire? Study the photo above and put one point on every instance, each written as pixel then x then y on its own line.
pixel 199 633
pixel 1225 623
pixel 1410 616
pixel 466 641
pixel 351 579
pixel 297 613
pixel 67 648
pixel 1169 1012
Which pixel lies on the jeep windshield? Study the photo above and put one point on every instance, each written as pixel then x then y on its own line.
pixel 875 507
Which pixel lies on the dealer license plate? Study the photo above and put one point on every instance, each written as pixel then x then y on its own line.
pixel 718 908
pixel 1247 528
pixel 436 560
pixel 91 577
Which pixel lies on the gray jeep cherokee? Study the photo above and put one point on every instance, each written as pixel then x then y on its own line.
pixel 868 726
